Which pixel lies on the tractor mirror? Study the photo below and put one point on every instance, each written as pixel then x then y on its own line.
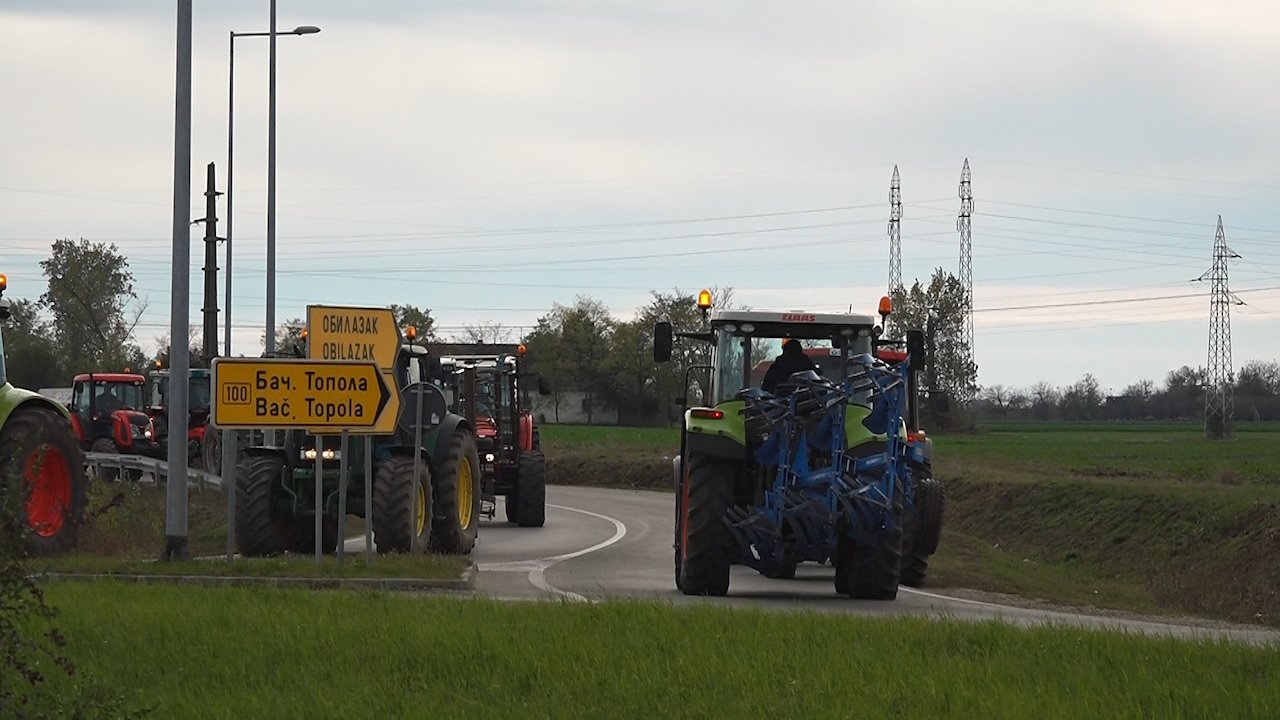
pixel 544 385
pixel 915 347
pixel 4 309
pixel 435 371
pixel 662 342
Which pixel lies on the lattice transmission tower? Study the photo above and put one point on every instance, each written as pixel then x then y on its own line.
pixel 1219 394
pixel 966 255
pixel 895 236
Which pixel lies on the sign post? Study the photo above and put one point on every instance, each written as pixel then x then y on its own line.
pixel 362 334
pixel 318 396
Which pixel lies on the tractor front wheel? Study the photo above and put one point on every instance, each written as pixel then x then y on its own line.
pixel 705 542
pixel 211 451
pixel 260 531
pixel 531 490
pixel 457 498
pixel 44 469
pixel 870 570
pixel 106 446
pixel 402 505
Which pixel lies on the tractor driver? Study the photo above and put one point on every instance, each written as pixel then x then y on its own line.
pixel 791 360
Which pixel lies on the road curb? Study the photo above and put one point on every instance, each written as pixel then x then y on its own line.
pixel 466 582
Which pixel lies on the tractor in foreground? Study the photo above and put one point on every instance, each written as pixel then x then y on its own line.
pixel 42 476
pixel 829 465
pixel 487 384
pixel 426 483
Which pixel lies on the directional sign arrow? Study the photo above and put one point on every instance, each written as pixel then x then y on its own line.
pixel 288 393
pixel 353 334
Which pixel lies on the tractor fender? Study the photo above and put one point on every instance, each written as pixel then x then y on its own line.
pixel 17 397
pixel 716 446
pixel 120 430
pixel 451 424
pixel 76 429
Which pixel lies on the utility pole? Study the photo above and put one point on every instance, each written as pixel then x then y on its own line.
pixel 895 237
pixel 175 515
pixel 210 307
pixel 1219 395
pixel 966 263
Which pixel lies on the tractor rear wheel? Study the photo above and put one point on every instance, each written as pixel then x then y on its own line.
pixel 705 542
pixel 926 530
pixel 260 528
pixel 457 498
pixel 48 476
pixel 531 490
pixel 402 505
pixel 211 451
pixel 677 474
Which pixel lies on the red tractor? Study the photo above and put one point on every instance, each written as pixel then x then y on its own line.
pixel 107 414
pixel 484 384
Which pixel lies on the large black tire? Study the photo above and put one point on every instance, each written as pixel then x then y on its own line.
pixel 44 473
pixel 456 519
pixel 260 529
pixel 402 505
pixel 706 543
pixel 924 532
pixel 211 452
pixel 531 490
pixel 677 474
pixel 510 506
pixel 106 446
pixel 872 570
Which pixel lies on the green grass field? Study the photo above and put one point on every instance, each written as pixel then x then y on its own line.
pixel 222 652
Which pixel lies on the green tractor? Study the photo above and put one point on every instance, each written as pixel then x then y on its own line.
pixel 426 494
pixel 41 463
pixel 811 454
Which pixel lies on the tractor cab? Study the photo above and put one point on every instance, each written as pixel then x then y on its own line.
pixel 107 414
pixel 202 451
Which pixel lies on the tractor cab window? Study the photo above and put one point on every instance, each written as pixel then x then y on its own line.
pixel 117 396
pixel 80 397
pixel 198 393
pixel 730 364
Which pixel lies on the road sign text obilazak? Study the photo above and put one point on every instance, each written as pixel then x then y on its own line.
pixel 355 334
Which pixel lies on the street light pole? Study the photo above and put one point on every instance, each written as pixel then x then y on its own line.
pixel 271 255
pixel 271 186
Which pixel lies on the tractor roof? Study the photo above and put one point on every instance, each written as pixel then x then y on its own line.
pixel 796 323
pixel 110 377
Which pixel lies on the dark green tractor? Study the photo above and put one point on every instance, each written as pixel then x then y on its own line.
pixel 426 483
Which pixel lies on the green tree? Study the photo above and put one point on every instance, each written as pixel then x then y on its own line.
pixel 289 342
pixel 630 371
pixel 939 310
pixel 419 318
pixel 195 356
pixel 572 344
pixel 89 295
pixel 32 358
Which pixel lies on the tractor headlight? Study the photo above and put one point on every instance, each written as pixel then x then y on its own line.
pixel 310 454
pixel 488 457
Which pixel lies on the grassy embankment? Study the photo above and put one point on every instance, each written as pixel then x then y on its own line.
pixel 225 652
pixel 125 535
pixel 1147 517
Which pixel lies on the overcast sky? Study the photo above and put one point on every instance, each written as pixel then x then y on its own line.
pixel 489 159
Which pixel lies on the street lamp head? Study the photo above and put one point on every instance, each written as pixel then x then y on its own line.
pixel 306 30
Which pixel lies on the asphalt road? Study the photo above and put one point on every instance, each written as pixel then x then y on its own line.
pixel 600 543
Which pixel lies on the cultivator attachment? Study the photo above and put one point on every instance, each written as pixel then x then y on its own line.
pixel 822 493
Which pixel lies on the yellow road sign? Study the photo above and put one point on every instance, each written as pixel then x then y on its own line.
pixel 320 396
pixel 353 334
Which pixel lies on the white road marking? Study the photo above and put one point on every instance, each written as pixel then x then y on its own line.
pixel 537 568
